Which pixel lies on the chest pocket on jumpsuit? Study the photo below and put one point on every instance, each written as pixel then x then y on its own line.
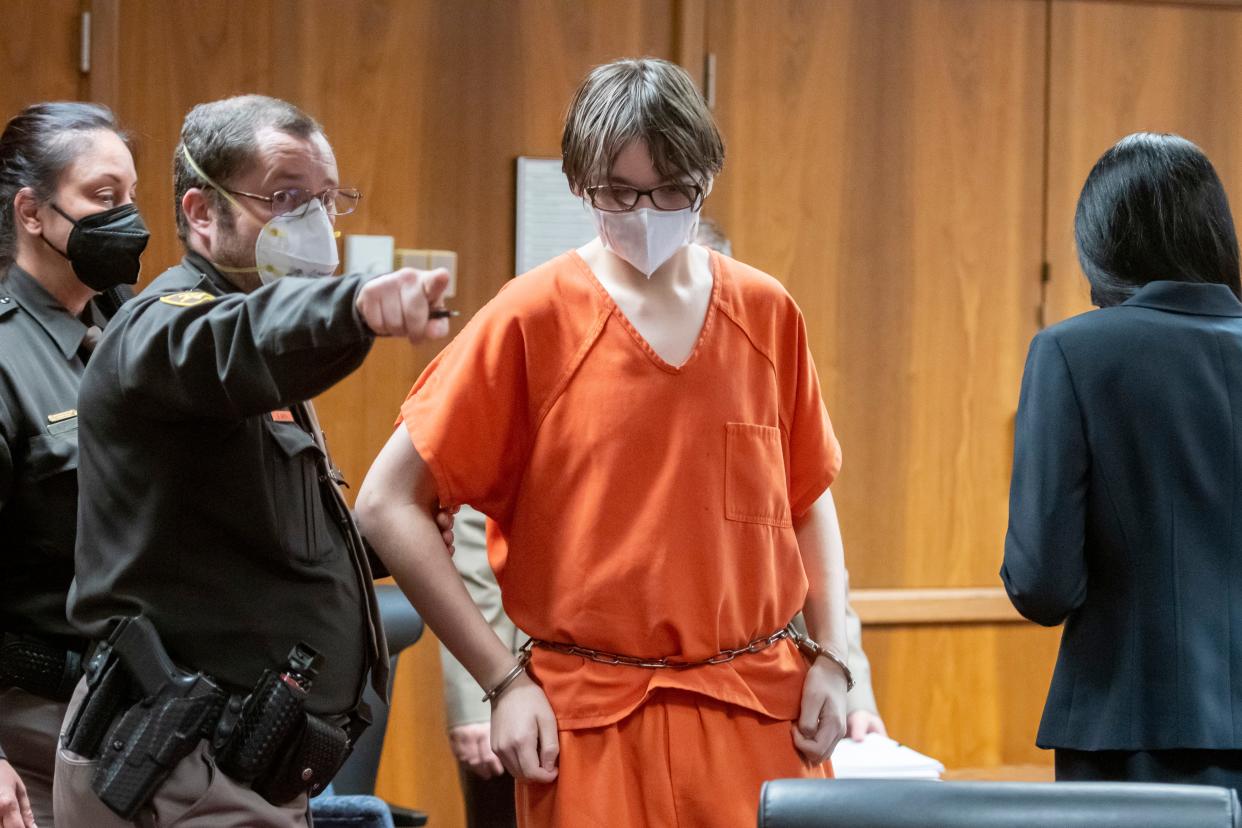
pixel 301 518
pixel 755 487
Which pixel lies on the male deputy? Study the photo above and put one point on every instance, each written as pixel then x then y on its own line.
pixel 207 495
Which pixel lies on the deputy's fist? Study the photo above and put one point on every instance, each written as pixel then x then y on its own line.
pixel 399 303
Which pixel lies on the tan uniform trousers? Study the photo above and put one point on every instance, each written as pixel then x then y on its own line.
pixel 195 795
pixel 29 725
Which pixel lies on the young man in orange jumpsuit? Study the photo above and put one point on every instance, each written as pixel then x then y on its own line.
pixel 582 410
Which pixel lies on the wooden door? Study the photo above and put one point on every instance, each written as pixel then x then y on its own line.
pixel 40 58
pixel 1119 68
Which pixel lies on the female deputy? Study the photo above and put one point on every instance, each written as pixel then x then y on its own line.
pixel 1126 503
pixel 69 231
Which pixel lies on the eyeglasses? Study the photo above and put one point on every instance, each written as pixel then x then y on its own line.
pixel 618 198
pixel 337 201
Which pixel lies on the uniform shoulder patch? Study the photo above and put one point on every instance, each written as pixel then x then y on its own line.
pixel 187 298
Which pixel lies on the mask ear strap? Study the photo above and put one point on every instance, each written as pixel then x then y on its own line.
pixel 63 254
pixel 59 252
pixel 227 269
pixel 199 171
pixel 63 214
pixel 227 195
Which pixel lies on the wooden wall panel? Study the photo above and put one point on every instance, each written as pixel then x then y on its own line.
pixel 154 62
pixel 884 161
pixel 39 57
pixel 968 694
pixel 1120 68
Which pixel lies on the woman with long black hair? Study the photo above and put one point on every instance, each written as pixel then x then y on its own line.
pixel 1126 502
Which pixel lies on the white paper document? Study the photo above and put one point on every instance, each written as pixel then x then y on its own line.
pixel 879 757
pixel 550 218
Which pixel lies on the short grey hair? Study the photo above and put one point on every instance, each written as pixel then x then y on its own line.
pixel 645 98
pixel 221 137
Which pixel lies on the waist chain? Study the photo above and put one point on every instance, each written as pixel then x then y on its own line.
pixel 666 662
pixel 810 648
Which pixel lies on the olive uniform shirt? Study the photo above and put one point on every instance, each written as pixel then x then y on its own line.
pixel 40 369
pixel 41 365
pixel 206 494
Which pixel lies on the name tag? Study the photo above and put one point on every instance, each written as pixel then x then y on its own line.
pixel 63 422
pixel 282 415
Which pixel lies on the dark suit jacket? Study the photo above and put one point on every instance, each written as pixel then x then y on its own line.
pixel 1125 520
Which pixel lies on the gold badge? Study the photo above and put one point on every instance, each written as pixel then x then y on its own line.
pixel 64 415
pixel 187 298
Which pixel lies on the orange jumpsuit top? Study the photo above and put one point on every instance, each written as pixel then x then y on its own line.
pixel 637 507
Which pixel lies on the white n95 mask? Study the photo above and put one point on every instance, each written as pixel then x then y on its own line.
pixel 647 238
pixel 300 243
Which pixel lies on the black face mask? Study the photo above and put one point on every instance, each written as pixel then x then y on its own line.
pixel 104 248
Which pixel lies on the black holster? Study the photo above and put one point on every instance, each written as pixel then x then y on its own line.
pixel 39 667
pixel 144 746
pixel 143 715
pixel 110 694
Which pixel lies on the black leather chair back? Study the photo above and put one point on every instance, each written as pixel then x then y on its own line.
pixel 876 803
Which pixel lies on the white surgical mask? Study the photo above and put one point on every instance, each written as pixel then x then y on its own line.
pixel 299 243
pixel 647 238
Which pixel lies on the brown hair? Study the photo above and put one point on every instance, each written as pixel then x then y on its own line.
pixel 644 98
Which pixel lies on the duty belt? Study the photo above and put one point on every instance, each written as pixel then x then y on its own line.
pixel 144 714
